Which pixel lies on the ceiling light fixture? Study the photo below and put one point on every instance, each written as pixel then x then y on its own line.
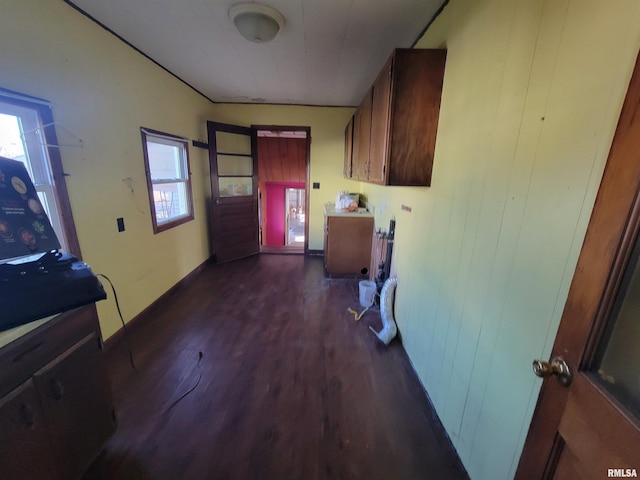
pixel 256 22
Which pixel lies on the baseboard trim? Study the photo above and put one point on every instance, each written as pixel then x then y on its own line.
pixel 319 253
pixel 281 250
pixel 139 319
pixel 435 418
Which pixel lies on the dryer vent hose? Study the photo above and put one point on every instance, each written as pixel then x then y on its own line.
pixel 389 328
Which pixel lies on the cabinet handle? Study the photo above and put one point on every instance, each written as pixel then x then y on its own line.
pixel 29 417
pixel 30 350
pixel 57 389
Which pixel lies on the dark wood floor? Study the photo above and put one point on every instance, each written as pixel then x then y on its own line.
pixel 289 386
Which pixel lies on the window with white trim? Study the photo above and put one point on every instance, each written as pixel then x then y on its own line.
pixel 22 138
pixel 168 178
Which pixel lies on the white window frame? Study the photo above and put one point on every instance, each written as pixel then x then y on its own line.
pixel 42 156
pixel 182 181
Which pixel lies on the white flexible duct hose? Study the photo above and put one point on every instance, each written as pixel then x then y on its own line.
pixel 389 328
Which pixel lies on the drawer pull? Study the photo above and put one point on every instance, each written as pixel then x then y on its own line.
pixel 29 417
pixel 29 351
pixel 57 389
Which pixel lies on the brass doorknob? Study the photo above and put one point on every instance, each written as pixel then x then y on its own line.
pixel 556 368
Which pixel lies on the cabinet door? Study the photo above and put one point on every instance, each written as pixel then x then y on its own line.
pixel 348 247
pixel 76 403
pixel 361 138
pixel 25 449
pixel 416 90
pixel 348 150
pixel 326 243
pixel 380 110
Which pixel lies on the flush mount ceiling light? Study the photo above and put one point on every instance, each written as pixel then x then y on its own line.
pixel 256 22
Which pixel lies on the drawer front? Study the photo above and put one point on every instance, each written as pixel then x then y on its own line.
pixel 20 359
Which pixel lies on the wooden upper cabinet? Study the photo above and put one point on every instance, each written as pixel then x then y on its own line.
pixel 361 137
pixel 404 107
pixel 348 149
pixel 380 109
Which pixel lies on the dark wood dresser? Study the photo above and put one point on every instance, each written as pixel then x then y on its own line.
pixel 56 408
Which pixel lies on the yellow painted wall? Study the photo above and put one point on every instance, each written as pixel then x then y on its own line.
pixel 102 92
pixel 532 94
pixel 531 97
pixel 327 149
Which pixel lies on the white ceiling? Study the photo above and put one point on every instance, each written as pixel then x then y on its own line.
pixel 328 53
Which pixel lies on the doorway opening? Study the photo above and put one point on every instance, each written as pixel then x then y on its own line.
pixel 295 201
pixel 283 169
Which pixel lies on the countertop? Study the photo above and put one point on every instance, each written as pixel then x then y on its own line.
pixel 330 211
pixel 8 336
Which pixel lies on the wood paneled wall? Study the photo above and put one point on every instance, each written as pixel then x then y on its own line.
pixel 484 260
pixel 282 159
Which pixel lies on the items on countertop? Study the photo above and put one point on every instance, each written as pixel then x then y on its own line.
pixel 346 201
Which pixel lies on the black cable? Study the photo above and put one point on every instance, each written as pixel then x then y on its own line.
pixel 124 327
pixel 175 402
pixel 126 339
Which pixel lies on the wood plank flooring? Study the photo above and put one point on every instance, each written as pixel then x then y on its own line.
pixel 287 385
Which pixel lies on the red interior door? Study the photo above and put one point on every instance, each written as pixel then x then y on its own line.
pixel 275 230
pixel 234 191
pixel 280 211
pixel 590 428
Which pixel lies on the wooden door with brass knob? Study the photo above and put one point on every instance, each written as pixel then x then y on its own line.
pixel 557 368
pixel 589 427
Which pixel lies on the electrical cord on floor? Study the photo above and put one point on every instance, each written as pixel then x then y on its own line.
pixel 175 402
pixel 357 316
pixel 126 339
pixel 124 327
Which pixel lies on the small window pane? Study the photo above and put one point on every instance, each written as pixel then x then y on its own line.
pixel 22 139
pixel 167 165
pixel 619 366
pixel 11 145
pixel 235 186
pixel 165 161
pixel 233 143
pixel 233 165
pixel 169 200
